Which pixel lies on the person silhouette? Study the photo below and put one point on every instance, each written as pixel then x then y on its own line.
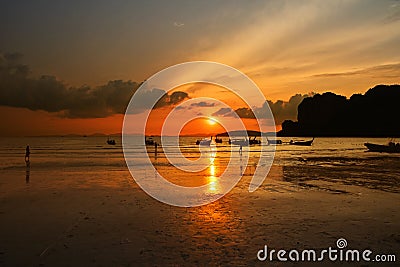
pixel 27 154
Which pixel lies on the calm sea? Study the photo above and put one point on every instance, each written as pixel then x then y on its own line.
pixel 342 161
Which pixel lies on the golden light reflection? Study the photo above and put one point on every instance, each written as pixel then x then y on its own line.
pixel 212 170
pixel 212 186
pixel 212 179
pixel 217 214
pixel 212 157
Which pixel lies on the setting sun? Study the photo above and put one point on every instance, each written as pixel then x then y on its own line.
pixel 212 121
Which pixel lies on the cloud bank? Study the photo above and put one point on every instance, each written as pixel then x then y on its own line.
pixel 18 89
pixel 282 110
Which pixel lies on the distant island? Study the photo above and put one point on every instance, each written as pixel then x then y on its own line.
pixel 374 114
pixel 240 133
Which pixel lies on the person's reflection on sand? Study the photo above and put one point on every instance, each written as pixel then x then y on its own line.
pixel 28 164
pixel 27 173
pixel 155 150
pixel 241 165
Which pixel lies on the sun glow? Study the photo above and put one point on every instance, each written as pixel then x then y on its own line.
pixel 212 121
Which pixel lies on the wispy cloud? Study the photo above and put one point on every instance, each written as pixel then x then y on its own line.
pixel 290 41
pixel 388 70
pixel 394 13
pixel 202 104
pixel 223 112
pixel 178 24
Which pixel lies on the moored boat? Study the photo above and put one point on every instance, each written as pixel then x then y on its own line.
pixel 391 147
pixel 239 141
pixel 149 141
pixel 274 141
pixel 302 143
pixel 204 142
pixel 218 140
pixel 111 141
pixel 254 141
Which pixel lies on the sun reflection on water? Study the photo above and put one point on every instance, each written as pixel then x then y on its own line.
pixel 212 179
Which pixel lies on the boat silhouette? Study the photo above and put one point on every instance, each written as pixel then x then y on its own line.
pixel 239 141
pixel 218 140
pixel 111 141
pixel 391 147
pixel 254 141
pixel 302 143
pixel 149 141
pixel 274 141
pixel 204 142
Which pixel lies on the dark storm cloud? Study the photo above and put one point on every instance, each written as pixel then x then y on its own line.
pixel 18 89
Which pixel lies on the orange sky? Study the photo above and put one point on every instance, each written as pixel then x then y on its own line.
pixel 285 47
pixel 207 126
pixel 24 122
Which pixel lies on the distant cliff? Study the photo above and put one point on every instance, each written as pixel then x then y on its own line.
pixel 375 114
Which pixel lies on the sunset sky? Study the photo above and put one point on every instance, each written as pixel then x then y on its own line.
pixel 289 49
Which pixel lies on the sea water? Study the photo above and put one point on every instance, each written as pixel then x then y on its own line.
pixel 341 161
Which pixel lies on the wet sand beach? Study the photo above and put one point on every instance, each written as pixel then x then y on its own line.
pixel 105 219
